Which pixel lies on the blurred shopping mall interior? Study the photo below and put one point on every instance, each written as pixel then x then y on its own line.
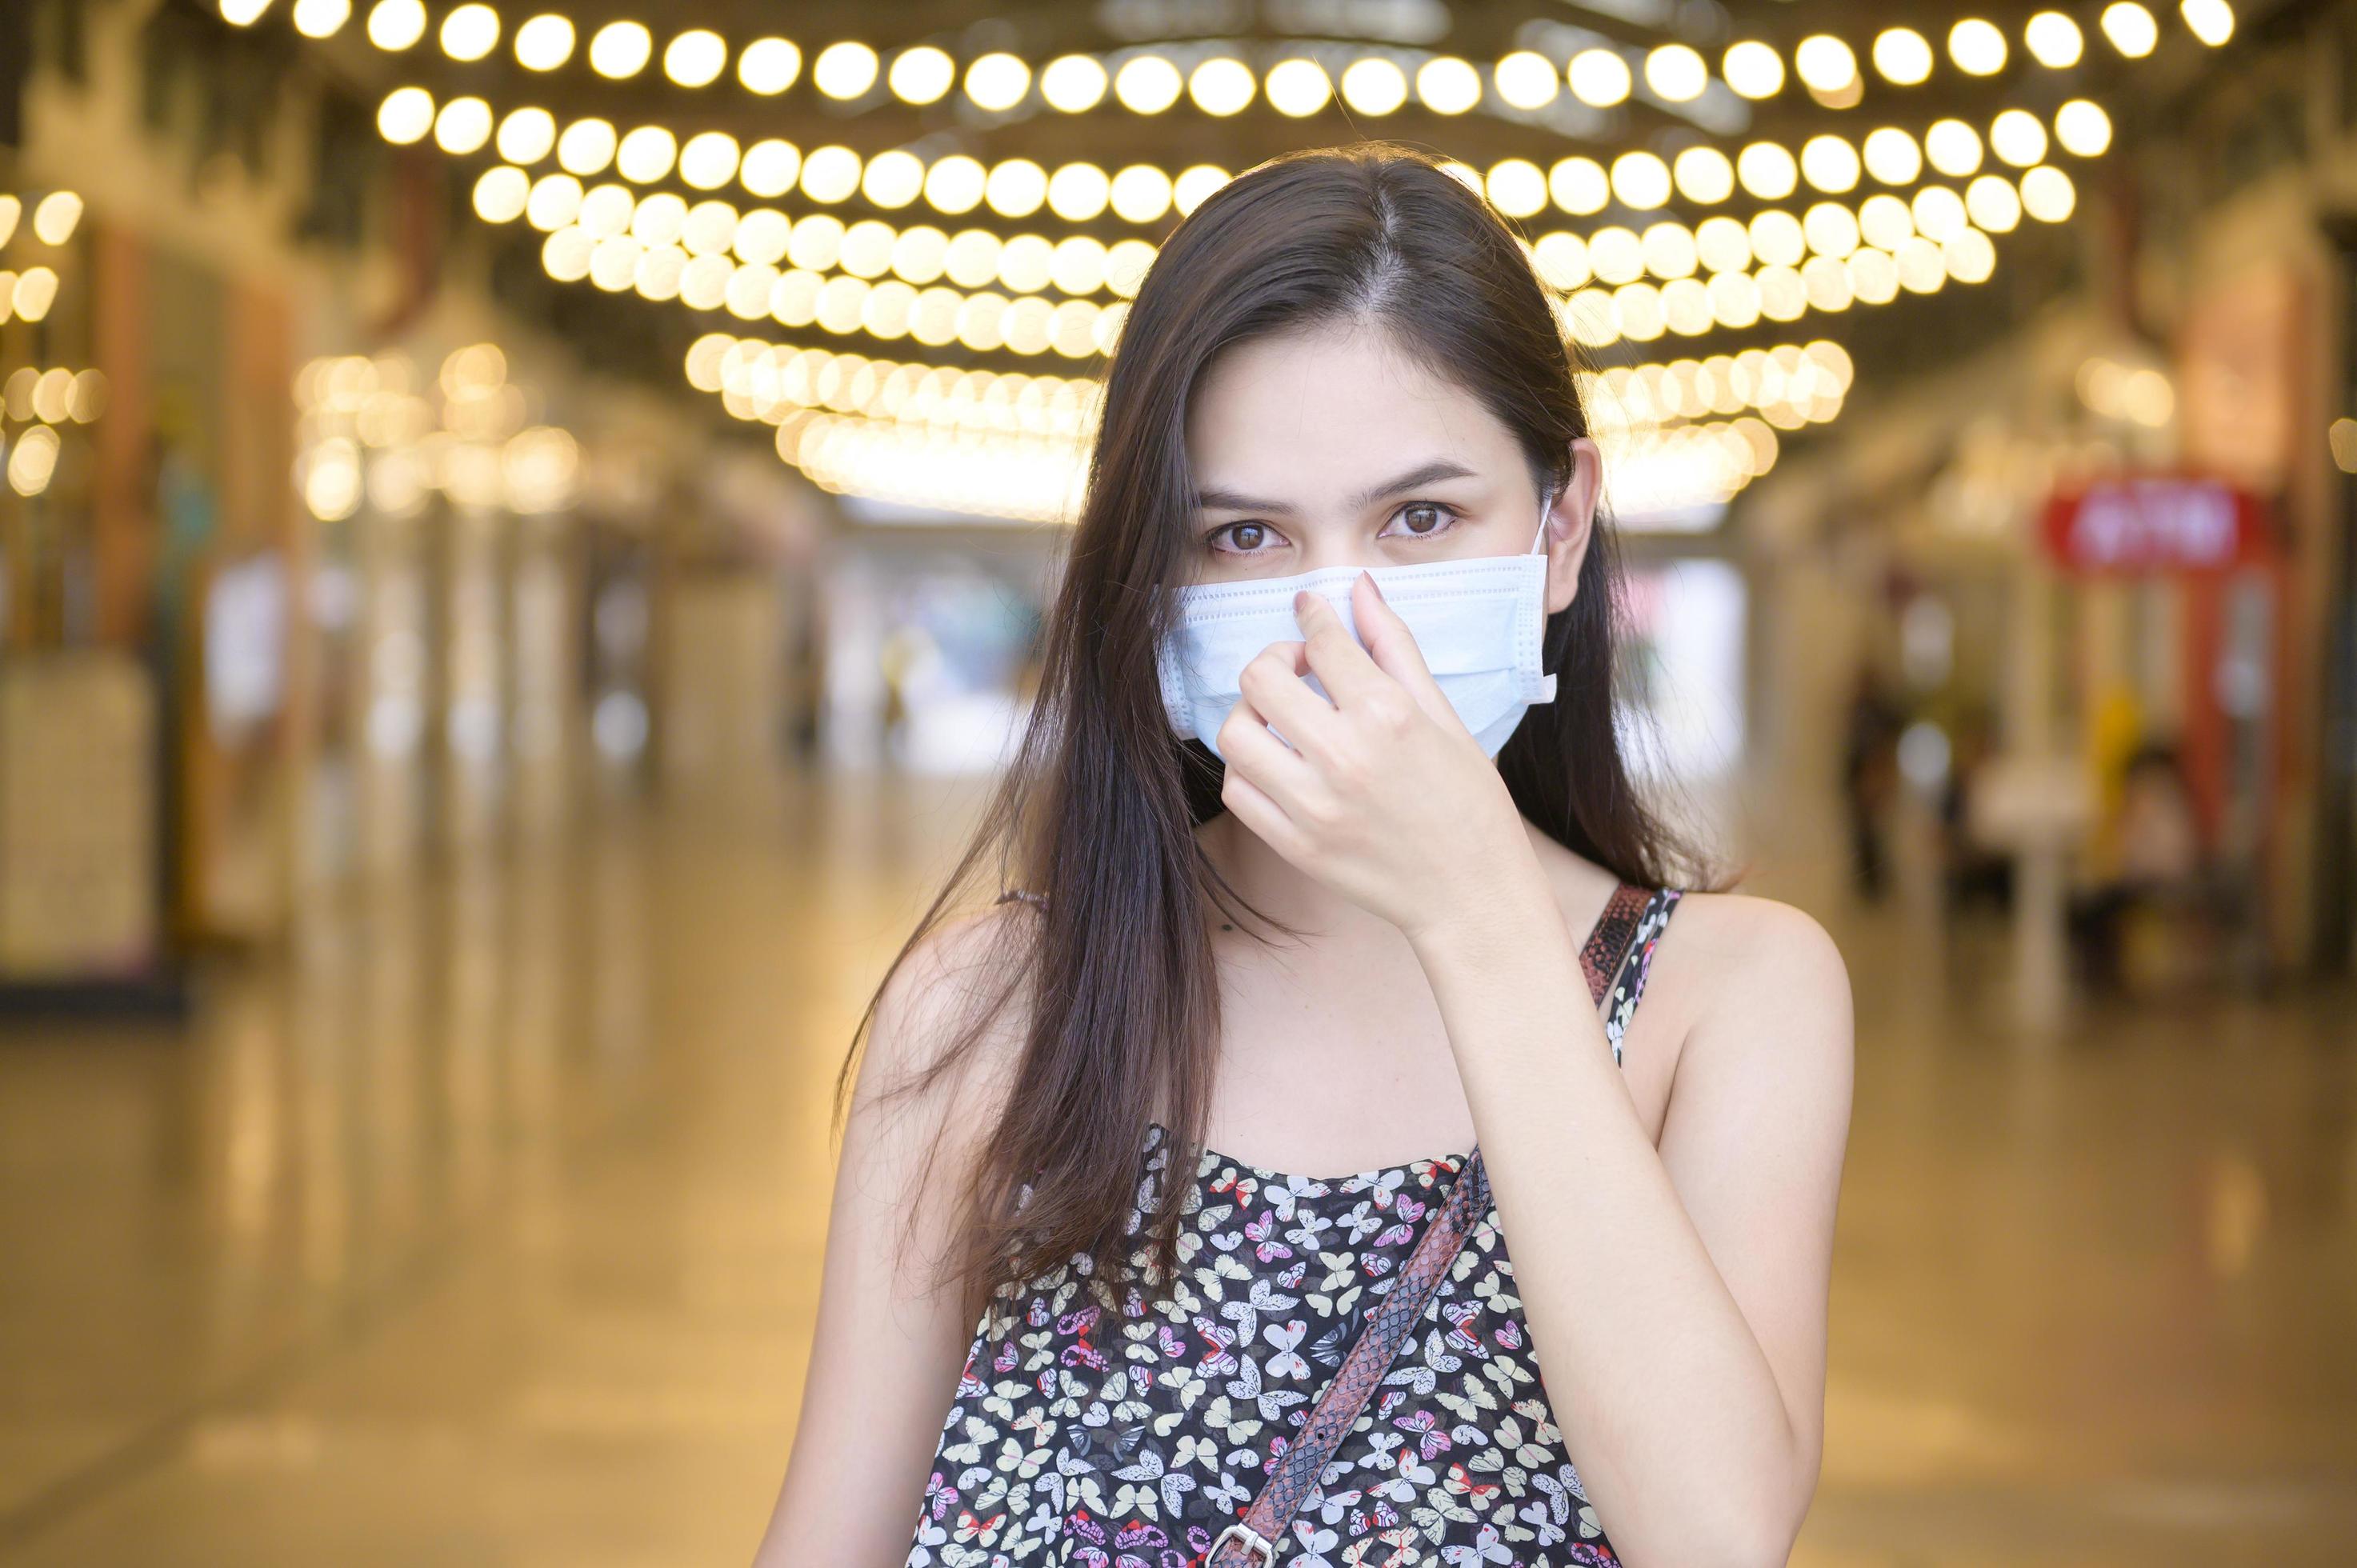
pixel 525 533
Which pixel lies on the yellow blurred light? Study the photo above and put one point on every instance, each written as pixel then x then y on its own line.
pixel 2083 128
pixel 396 25
pixel 921 75
pixel 321 18
pixel 1677 73
pixel 1447 85
pixel 695 57
pixel 646 154
pixel 1147 84
pixel 1640 180
pixel 659 220
pixel 1976 47
pixel 997 81
pixel 565 255
pixel 555 201
pixel 1194 183
pixel 502 194
pixel 55 216
pixel 2212 21
pixel 770 167
pixel 2017 136
pixel 36 291
pixel 2131 28
pixel 1892 156
pixel 586 147
pixel 1599 78
pixel 1993 203
pixel 1373 85
pixel 1015 189
pixel 1939 213
pixel 1524 78
pixel 1515 186
pixel 1140 194
pixel 1753 70
pixel 1580 185
pixel 1904 56
pixel 893 178
pixel 471 32
pixel 769 66
pixel 544 43
pixel 242 13
pixel 1829 163
pixel 1298 88
pixel 844 70
pixel 1824 63
pixel 1703 174
pixel 1078 192
pixel 605 212
pixel 88 400
pixel 830 174
pixel 1071 83
pixel 527 136
pixel 709 160
pixel 1767 171
pixel 1952 148
pixel 2046 194
pixel 463 125
pixel 405 115
pixel 2053 40
pixel 34 461
pixel 1221 85
pixel 956 184
pixel 619 51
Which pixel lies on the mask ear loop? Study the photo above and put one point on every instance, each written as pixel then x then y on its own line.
pixel 1547 508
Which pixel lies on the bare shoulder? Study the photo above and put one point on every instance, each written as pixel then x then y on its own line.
pixel 1759 979
pixel 949 1029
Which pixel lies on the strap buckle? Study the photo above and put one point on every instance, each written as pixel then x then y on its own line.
pixel 1251 1540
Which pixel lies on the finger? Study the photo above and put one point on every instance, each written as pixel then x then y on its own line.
pixel 1346 670
pixel 1272 683
pixel 1391 646
pixel 1260 813
pixel 1275 768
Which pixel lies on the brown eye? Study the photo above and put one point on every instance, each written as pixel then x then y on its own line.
pixel 1247 536
pixel 1422 517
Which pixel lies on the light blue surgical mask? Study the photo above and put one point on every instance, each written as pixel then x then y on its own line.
pixel 1479 623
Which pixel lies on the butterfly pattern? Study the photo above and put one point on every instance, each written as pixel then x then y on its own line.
pixel 1130 1440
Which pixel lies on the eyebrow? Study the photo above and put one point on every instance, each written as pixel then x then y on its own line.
pixel 1429 473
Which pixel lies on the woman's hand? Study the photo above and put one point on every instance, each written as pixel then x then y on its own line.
pixel 1383 794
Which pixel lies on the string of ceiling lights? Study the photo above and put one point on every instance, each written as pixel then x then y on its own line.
pixel 836 277
pixel 1081 192
pixel 927 447
pixel 1370 80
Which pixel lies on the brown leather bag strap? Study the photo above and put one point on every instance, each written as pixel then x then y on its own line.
pixel 1292 1471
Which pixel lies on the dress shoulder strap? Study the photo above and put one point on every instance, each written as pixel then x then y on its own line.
pixel 1618 954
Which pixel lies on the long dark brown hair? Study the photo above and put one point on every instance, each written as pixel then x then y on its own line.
pixel 1095 817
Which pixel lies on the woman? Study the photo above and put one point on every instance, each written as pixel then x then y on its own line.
pixel 1080 1297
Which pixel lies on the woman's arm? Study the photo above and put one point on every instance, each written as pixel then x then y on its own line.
pixel 884 1363
pixel 1676 1297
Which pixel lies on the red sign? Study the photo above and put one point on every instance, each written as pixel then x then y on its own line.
pixel 2155 522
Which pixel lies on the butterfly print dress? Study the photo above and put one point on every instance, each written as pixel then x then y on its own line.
pixel 1130 1439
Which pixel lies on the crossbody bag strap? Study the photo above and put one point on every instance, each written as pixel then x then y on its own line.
pixel 1252 1539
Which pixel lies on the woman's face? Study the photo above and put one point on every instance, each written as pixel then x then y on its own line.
pixel 1336 447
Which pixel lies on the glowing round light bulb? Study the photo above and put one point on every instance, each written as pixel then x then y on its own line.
pixel 1447 85
pixel 471 32
pixel 1599 78
pixel 1976 47
pixel 321 18
pixel 463 125
pixel 2131 30
pixel 405 115
pixel 1524 78
pixel 620 50
pixel 1147 84
pixel 695 57
pixel 2053 40
pixel 921 75
pixel 1677 73
pixel 544 42
pixel 396 25
pixel 1299 88
pixel 997 81
pixel 844 70
pixel 1751 69
pixel 1221 85
pixel 1824 63
pixel 2083 128
pixel 769 66
pixel 1904 56
pixel 1374 86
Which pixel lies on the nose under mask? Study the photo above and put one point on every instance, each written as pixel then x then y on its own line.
pixel 1479 623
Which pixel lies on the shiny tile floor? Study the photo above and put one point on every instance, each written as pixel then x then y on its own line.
pixel 483 1227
